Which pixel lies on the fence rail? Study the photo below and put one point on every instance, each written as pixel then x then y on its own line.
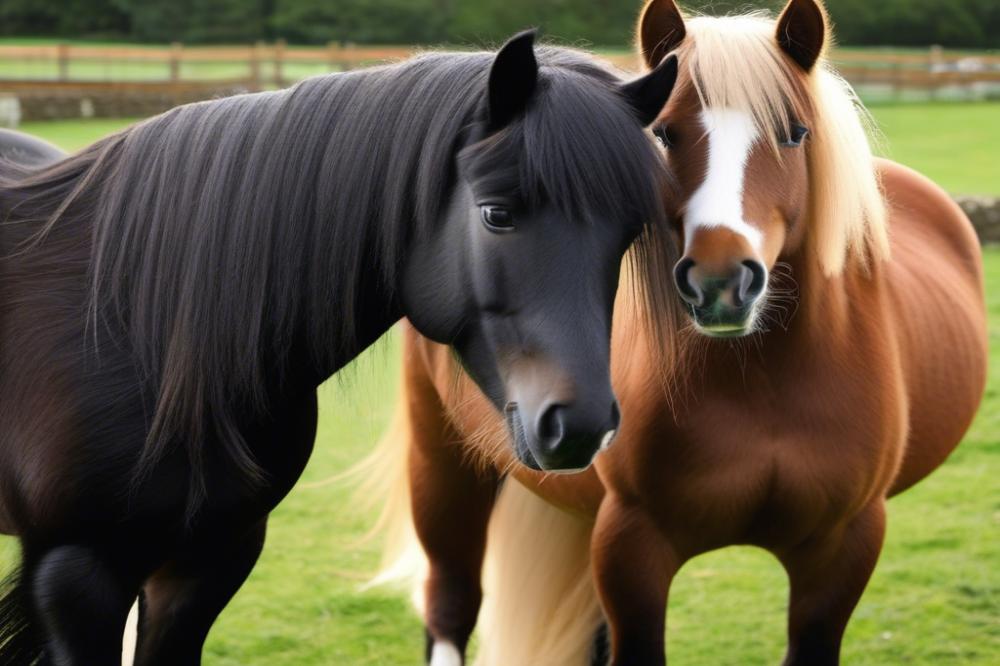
pixel 261 66
pixel 256 66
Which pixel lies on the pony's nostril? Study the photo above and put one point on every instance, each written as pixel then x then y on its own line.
pixel 753 276
pixel 550 423
pixel 689 291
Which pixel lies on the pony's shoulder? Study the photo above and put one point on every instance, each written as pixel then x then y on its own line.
pixel 908 189
pixel 924 221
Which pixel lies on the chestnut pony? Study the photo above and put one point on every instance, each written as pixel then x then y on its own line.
pixel 856 285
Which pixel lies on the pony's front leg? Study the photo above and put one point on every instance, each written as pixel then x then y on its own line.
pixel 81 598
pixel 633 568
pixel 181 600
pixel 827 575
pixel 451 510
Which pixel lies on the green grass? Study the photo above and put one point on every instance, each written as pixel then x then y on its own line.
pixel 934 599
pixel 956 145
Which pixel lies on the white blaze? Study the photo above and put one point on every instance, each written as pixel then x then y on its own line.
pixel 718 202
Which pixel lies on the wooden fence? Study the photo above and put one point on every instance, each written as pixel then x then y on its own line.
pixel 262 66
pixel 254 67
pixel 931 71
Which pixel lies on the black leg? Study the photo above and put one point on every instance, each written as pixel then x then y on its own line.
pixel 82 601
pixel 182 600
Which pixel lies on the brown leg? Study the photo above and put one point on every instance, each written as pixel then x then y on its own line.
pixel 451 503
pixel 827 576
pixel 633 566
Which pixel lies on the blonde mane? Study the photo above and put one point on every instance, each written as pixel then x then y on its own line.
pixel 736 62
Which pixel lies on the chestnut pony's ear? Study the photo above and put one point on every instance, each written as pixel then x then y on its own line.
pixel 649 94
pixel 513 78
pixel 802 31
pixel 661 30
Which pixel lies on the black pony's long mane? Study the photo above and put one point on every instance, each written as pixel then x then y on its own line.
pixel 224 235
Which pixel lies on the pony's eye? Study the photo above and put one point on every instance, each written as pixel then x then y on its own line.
pixel 497 218
pixel 662 135
pixel 797 136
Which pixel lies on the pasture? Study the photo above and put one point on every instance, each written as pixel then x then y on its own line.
pixel 935 597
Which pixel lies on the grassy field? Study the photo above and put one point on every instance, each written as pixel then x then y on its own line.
pixel 955 145
pixel 935 597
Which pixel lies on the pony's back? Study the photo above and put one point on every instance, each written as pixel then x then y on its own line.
pixel 25 150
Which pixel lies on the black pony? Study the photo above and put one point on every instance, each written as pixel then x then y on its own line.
pixel 171 297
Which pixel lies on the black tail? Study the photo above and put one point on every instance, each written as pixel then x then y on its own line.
pixel 20 642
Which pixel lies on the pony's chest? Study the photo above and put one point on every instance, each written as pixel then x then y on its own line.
pixel 763 471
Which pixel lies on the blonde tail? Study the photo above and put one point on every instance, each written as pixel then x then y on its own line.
pixel 384 476
pixel 540 605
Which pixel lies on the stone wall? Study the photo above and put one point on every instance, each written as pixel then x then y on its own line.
pixel 985 215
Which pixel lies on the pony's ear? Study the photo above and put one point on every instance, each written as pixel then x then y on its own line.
pixel 649 94
pixel 802 31
pixel 661 30
pixel 513 78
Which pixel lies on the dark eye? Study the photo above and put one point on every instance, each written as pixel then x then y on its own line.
pixel 797 136
pixel 663 136
pixel 498 219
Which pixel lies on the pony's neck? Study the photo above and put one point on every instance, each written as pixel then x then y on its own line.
pixel 375 311
pixel 821 309
pixel 818 301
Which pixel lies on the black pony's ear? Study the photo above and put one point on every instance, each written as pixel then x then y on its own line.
pixel 660 31
pixel 513 78
pixel 801 31
pixel 649 94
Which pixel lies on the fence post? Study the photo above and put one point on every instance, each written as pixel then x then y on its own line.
pixel 255 67
pixel 936 55
pixel 331 54
pixel 175 61
pixel 934 60
pixel 62 55
pixel 279 63
pixel 897 81
pixel 345 63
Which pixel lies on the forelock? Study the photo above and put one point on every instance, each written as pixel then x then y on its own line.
pixel 578 146
pixel 734 62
